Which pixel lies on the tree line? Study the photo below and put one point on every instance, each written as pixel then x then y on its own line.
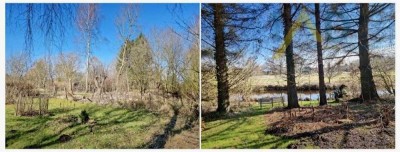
pixel 151 64
pixel 337 30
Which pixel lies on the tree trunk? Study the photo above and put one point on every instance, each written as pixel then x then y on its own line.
pixel 221 60
pixel 291 78
pixel 66 93
pixel 368 89
pixel 70 86
pixel 87 64
pixel 127 82
pixel 322 91
pixel 121 67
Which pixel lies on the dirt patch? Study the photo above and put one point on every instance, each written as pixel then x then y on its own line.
pixel 186 139
pixel 349 125
pixel 64 138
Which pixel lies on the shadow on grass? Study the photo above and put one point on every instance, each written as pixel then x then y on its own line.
pixel 111 117
pixel 159 141
pixel 255 111
pixel 275 142
pixel 189 123
pixel 231 129
pixel 50 139
pixel 15 134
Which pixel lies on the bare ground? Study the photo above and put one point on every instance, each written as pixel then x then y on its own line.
pixel 361 126
pixel 184 139
pixel 181 132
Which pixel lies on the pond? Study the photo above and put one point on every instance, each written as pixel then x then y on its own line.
pixel 302 95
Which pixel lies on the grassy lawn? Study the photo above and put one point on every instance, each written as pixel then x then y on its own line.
pixel 245 130
pixel 115 128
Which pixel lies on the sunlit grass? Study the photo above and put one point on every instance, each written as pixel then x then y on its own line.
pixel 246 129
pixel 116 127
pixel 243 131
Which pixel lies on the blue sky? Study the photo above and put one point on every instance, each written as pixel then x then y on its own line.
pixel 272 37
pixel 150 16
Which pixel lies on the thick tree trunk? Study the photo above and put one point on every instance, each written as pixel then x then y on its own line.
pixel 291 78
pixel 221 60
pixel 368 89
pixel 322 88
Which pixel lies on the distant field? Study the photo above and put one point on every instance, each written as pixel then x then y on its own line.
pixel 115 128
pixel 263 80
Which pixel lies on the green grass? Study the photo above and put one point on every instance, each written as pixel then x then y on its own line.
pixel 241 131
pixel 246 130
pixel 316 103
pixel 116 127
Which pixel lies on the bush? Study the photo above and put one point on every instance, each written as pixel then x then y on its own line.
pixel 84 117
pixel 19 88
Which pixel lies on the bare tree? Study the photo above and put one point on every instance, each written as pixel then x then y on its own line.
pixel 191 73
pixel 332 71
pixel 67 70
pixel 17 65
pixel 99 75
pixel 384 72
pixel 48 20
pixel 87 23
pixel 38 74
pixel 126 26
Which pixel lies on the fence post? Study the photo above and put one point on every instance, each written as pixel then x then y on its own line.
pixel 272 99
pixel 18 104
pixel 40 106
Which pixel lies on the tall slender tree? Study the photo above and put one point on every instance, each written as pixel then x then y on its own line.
pixel 322 88
pixel 220 58
pixel 229 31
pixel 87 23
pixel 126 26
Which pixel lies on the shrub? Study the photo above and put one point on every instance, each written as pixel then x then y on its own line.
pixel 18 88
pixel 84 117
